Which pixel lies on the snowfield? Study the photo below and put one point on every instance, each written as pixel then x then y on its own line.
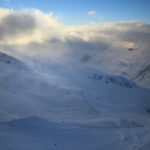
pixel 47 105
pixel 38 134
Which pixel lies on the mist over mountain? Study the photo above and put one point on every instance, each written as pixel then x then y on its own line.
pixel 117 48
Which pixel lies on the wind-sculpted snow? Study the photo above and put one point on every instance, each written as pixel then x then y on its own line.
pixel 76 107
pixel 37 134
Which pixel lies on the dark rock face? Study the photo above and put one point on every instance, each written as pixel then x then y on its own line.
pixel 144 71
pixel 86 58
pixel 4 58
pixel 131 49
pixel 112 80
pixel 148 110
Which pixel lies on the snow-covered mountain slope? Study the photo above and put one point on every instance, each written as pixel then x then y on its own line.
pixel 72 94
pixel 143 76
pixel 132 64
pixel 38 134
pixel 69 94
pixel 11 61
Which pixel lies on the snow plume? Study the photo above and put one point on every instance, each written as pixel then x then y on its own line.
pixel 32 32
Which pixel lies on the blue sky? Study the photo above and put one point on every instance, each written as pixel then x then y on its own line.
pixel 76 11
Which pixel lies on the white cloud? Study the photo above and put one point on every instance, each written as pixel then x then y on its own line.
pixel 92 12
pixel 33 32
